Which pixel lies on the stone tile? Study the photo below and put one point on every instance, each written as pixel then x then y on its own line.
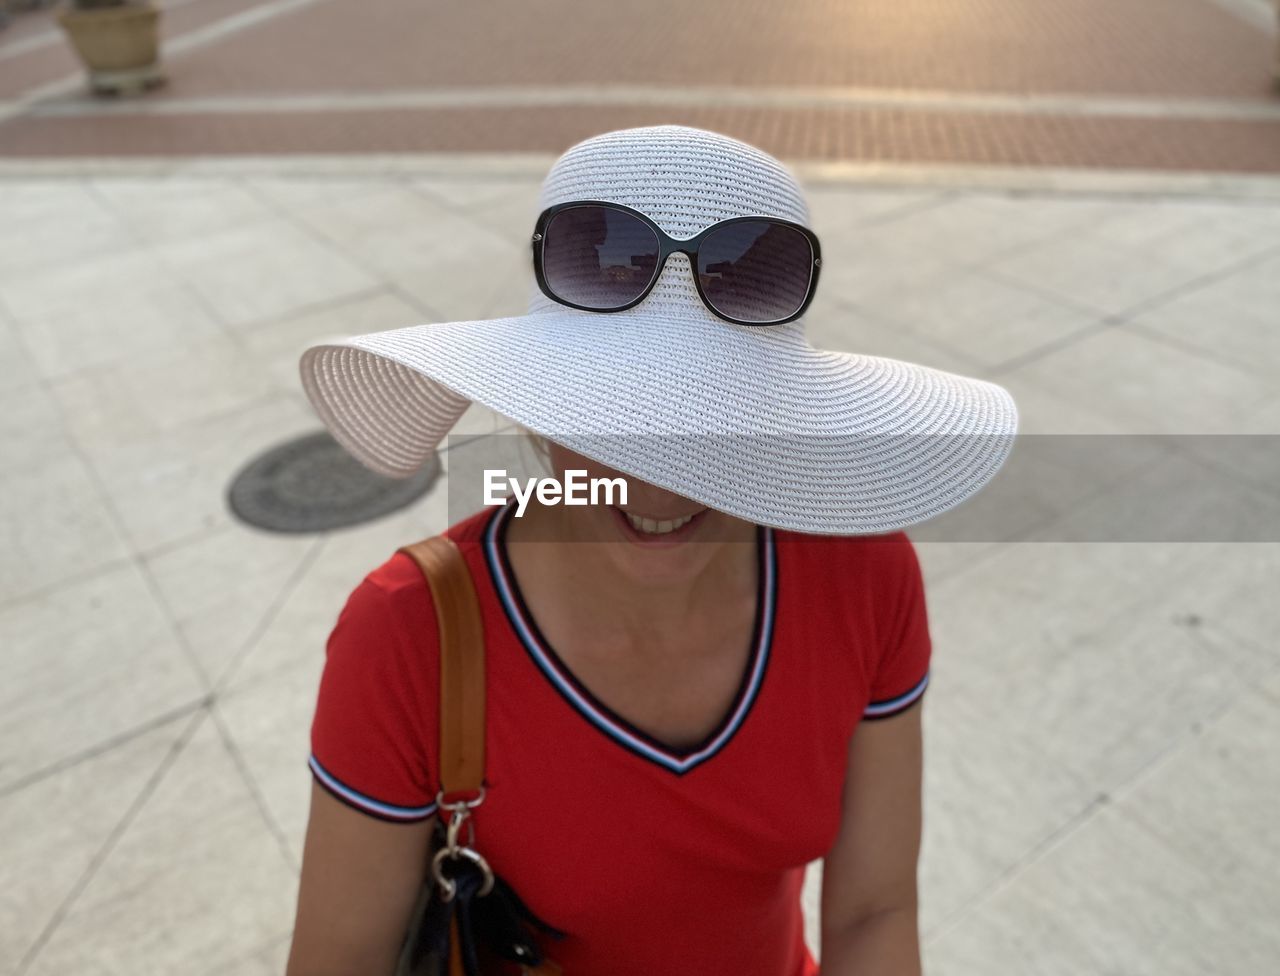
pixel 170 485
pixel 880 259
pixel 1234 317
pixel 1031 595
pixel 91 661
pixel 1028 491
pixel 968 229
pixel 1112 707
pixel 268 960
pixel 176 207
pixel 52 833
pixel 1270 687
pixel 32 433
pixel 1062 411
pixel 1230 593
pixel 939 560
pixel 423 246
pixel 137 324
pixel 52 224
pixel 296 635
pixel 276 955
pixel 513 294
pixel 1104 277
pixel 252 965
pixel 844 328
pixel 507 208
pixel 19 372
pixel 391 228
pixel 222 587
pixel 56 525
pixel 196 881
pixel 265 269
pixel 163 390
pixel 1251 455
pixel 1134 254
pixel 1213 802
pixel 982 318
pixel 469 194
pixel 381 222
pixel 58 289
pixel 839 209
pixel 1201 236
pixel 104 312
pixel 1147 222
pixel 1053 487
pixel 270 722
pixel 990 798
pixel 278 345
pixel 290 193
pixel 462 288
pixel 1044 656
pixel 1108 898
pixel 1145 386
pixel 1100 693
pixel 1176 499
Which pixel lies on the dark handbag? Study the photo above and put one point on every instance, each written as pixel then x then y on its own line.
pixel 467 921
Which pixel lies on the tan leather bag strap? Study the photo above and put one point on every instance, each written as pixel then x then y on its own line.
pixel 462 695
pixel 461 685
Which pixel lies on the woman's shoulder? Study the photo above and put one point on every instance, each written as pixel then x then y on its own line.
pixel 400 579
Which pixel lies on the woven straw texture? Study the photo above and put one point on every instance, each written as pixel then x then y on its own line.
pixel 751 421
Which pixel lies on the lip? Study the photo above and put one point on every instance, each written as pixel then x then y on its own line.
pixel 665 541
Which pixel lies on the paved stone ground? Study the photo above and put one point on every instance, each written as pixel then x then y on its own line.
pixel 1104 727
pixel 1144 84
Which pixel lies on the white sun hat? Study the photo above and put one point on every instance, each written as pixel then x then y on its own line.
pixel 749 420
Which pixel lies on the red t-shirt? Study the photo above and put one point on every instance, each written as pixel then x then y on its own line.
pixel 651 859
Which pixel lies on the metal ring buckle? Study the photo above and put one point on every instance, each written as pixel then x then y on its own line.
pixel 455 827
pixel 448 886
pixel 459 805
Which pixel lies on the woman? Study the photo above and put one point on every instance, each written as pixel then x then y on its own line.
pixel 675 679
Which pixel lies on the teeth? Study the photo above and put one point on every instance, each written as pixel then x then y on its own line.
pixel 656 526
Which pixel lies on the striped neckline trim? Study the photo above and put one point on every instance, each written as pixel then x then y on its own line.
pixel 595 711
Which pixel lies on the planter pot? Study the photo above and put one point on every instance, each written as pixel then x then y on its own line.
pixel 118 45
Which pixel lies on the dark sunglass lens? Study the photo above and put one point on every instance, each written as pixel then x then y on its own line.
pixel 756 270
pixel 598 257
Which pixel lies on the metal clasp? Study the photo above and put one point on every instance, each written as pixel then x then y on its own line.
pixel 460 814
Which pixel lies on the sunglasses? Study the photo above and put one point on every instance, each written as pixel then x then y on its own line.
pixel 604 257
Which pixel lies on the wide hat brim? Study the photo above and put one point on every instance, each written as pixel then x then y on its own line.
pixel 754 422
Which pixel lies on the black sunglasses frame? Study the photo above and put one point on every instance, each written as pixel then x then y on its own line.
pixel 668 246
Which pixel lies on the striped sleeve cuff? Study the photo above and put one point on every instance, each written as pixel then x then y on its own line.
pixel 367 804
pixel 893 706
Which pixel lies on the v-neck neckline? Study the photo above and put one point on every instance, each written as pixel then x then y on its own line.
pixel 600 715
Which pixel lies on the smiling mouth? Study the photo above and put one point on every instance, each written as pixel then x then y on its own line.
pixel 657 527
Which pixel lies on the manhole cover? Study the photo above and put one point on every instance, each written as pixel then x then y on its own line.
pixel 312 484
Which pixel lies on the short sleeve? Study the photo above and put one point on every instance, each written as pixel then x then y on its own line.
pixel 902 671
pixel 369 733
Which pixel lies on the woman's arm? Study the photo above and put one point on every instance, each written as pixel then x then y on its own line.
pixel 360 879
pixel 869 914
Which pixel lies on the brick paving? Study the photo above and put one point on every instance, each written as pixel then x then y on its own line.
pixel 825 135
pixel 1162 51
